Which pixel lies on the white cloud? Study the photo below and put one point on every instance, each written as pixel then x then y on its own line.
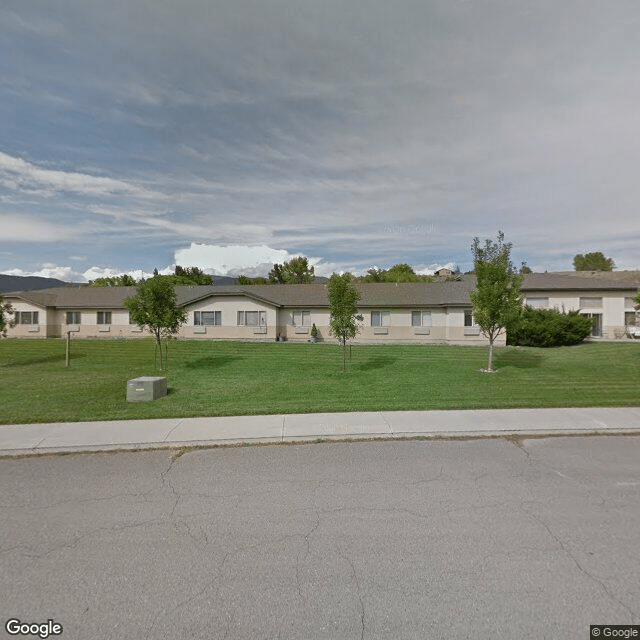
pixel 70 274
pixel 432 268
pixel 20 228
pixel 108 272
pixel 49 271
pixel 39 26
pixel 234 260
pixel 16 173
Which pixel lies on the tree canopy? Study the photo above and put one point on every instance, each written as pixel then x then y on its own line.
pixel 343 311
pixel 401 272
pixel 497 300
pixel 190 276
pixel 181 276
pixel 295 271
pixel 123 280
pixel 5 310
pixel 525 269
pixel 595 261
pixel 154 307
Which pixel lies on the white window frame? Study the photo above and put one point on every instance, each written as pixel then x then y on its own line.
pixel 105 315
pixel 591 303
pixel 538 302
pixel 73 318
pixel 421 318
pixel 596 331
pixel 207 318
pixel 27 317
pixel 629 302
pixel 380 318
pixel 468 314
pixel 301 318
pixel 261 318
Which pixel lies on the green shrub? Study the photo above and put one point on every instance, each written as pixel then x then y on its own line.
pixel 548 328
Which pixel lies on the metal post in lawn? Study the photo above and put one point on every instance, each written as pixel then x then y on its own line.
pixel 66 360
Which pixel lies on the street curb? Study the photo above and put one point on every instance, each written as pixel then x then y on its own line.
pixel 315 439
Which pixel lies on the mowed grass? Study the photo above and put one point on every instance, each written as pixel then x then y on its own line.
pixel 234 378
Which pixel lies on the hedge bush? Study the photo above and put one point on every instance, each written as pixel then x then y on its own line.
pixel 548 328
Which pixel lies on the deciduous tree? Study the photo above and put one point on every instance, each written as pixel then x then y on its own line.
pixel 154 307
pixel 343 310
pixel 295 271
pixel 191 276
pixel 401 272
pixel 595 261
pixel 497 300
pixel 525 269
pixel 123 280
pixel 5 310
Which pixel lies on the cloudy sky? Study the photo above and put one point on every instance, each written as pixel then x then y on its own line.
pixel 229 135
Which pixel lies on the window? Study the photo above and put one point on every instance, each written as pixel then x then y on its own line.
pixel 421 318
pixel 590 303
pixel 73 317
pixel 26 317
pixel 302 318
pixel 213 318
pixel 596 318
pixel 468 318
pixel 380 318
pixel 104 317
pixel 538 303
pixel 252 318
pixel 629 302
pixel 630 319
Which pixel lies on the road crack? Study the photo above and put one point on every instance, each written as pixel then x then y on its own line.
pixel 580 568
pixel 358 592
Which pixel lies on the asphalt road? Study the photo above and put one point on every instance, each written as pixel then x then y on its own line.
pixel 409 539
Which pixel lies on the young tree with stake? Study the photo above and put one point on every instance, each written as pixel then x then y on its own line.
pixel 497 300
pixel 343 310
pixel 154 307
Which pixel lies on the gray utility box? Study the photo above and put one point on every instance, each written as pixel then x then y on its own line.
pixel 146 388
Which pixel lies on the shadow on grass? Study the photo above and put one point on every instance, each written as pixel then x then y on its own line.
pixel 211 362
pixel 519 359
pixel 377 362
pixel 54 357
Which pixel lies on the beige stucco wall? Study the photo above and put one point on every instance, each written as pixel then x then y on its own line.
pixel 89 328
pixel 229 329
pixel 319 317
pixel 613 307
pixel 46 327
pixel 447 325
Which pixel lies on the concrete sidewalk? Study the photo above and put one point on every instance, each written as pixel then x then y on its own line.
pixel 181 432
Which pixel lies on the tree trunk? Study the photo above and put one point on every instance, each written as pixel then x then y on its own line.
pixel 159 344
pixel 344 353
pixel 490 360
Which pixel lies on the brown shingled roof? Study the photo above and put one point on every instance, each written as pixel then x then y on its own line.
pixel 372 295
pixel 566 282
pixel 279 295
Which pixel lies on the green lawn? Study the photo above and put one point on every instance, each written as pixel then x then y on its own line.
pixel 234 378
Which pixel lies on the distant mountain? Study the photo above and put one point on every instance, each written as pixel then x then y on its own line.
pixel 224 280
pixel 31 283
pixel 28 283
